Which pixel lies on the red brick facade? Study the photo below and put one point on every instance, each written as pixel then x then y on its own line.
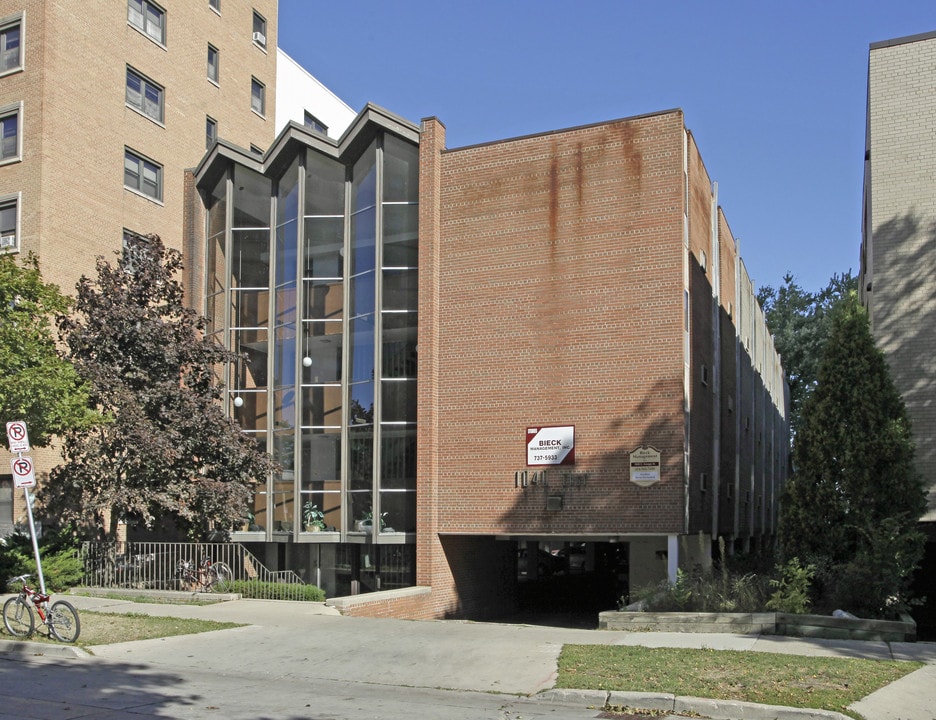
pixel 552 278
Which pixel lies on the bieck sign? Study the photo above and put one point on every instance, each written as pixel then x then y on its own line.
pixel 554 445
pixel 645 466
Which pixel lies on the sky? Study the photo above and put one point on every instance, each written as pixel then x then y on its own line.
pixel 773 92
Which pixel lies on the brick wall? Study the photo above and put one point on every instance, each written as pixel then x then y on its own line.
pixel 899 257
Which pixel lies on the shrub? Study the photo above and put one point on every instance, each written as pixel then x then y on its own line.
pixel 791 588
pixel 61 568
pixel 276 591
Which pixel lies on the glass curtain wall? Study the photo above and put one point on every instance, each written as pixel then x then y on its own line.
pixel 322 343
pixel 285 313
pixel 397 336
pixel 249 311
pixel 330 354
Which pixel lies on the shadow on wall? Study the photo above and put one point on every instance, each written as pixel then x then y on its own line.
pixel 904 303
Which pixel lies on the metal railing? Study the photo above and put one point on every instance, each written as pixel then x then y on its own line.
pixel 155 566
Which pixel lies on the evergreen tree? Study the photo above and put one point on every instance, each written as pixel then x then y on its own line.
pixel 854 499
pixel 37 385
pixel 166 447
pixel 799 322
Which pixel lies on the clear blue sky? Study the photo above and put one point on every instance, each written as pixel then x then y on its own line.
pixel 774 92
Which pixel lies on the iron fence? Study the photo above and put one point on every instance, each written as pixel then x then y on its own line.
pixel 156 566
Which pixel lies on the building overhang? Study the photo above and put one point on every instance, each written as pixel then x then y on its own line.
pixel 294 138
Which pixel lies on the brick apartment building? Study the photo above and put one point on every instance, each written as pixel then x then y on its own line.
pixel 492 366
pixel 104 104
pixel 898 251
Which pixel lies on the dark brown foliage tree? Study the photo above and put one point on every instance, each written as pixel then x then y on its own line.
pixel 166 446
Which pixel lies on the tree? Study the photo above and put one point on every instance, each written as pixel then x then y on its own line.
pixel 37 385
pixel 852 504
pixel 166 446
pixel 799 322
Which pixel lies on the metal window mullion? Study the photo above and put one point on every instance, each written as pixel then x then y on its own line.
pixel 300 337
pixel 344 484
pixel 378 325
pixel 271 341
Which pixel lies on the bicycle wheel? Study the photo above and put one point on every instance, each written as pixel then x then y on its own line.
pixel 220 577
pixel 63 621
pixel 18 617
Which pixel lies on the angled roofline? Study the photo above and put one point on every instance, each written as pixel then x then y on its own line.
pixel 371 120
pixel 560 131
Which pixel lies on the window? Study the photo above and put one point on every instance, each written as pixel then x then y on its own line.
pixel 10 149
pixel 211 132
pixel 9 223
pixel 134 245
pixel 144 95
pixel 259 29
pixel 10 31
pixel 310 121
pixel 257 96
pixel 142 175
pixel 149 18
pixel 215 5
pixel 213 64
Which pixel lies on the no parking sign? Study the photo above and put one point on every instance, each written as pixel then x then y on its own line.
pixel 24 475
pixel 17 436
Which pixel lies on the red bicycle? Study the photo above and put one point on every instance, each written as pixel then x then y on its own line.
pixel 19 617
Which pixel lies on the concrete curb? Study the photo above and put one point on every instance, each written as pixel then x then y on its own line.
pixel 25 647
pixel 715 709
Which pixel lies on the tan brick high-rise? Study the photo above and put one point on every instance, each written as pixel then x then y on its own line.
pixel 104 104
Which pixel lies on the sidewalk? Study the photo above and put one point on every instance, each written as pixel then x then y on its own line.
pixel 484 657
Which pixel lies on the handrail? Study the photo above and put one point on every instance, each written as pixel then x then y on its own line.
pixel 153 565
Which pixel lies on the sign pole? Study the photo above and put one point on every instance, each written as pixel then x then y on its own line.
pixel 25 477
pixel 35 542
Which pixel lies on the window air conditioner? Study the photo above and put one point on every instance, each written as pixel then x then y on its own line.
pixel 260 38
pixel 7 242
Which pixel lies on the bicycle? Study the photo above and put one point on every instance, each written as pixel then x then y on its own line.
pixel 19 617
pixel 208 576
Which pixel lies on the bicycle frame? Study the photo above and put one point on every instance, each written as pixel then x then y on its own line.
pixel 39 601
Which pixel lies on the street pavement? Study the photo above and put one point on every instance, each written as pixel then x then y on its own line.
pixel 304 660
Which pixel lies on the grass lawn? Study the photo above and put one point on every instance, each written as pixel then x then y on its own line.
pixel 811 682
pixel 106 628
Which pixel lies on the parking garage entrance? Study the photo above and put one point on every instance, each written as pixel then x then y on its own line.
pixel 569 582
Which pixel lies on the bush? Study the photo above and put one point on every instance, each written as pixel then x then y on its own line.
pixel 791 588
pixel 276 591
pixel 61 568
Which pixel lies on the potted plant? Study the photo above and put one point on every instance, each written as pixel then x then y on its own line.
pixel 312 517
pixel 367 523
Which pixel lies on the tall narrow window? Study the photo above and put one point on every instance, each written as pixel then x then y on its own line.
pixel 142 175
pixel 10 132
pixel 257 96
pixel 259 29
pixel 213 64
pixel 149 18
pixel 10 31
pixel 9 222
pixel 211 132
pixel 144 95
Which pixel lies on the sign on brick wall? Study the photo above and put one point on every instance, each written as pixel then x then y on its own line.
pixel 553 445
pixel 645 466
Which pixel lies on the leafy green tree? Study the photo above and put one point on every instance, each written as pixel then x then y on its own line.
pixel 853 501
pixel 799 322
pixel 37 385
pixel 167 448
